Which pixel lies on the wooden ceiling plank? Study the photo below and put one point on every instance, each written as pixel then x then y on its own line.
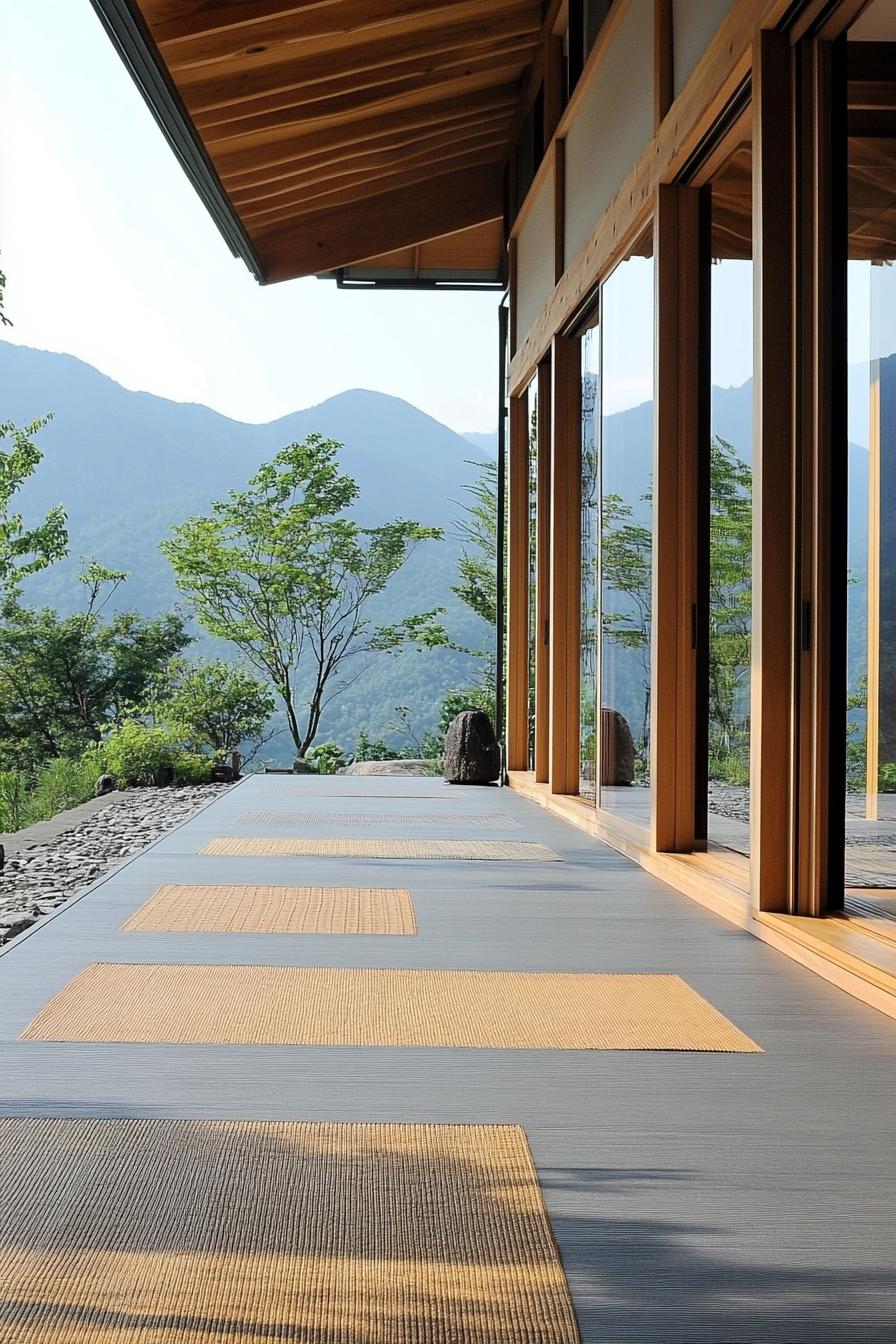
pixel 185 20
pixel 323 30
pixel 316 149
pixel 256 160
pixel 384 151
pixel 346 235
pixel 368 165
pixel 364 185
pixel 318 108
pixel 367 58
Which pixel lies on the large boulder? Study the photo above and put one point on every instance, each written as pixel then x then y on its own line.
pixel 617 750
pixel 472 754
pixel 105 784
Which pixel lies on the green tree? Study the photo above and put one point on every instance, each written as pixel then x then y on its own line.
pixel 215 705
pixel 279 570
pixel 626 570
pixel 63 679
pixel 477 529
pixel 24 550
pixel 730 608
pixel 327 758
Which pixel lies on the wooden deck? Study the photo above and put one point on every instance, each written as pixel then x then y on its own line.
pixel 696 1198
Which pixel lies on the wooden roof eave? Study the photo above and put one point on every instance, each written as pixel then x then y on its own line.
pixel 134 45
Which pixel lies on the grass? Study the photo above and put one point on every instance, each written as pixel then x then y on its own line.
pixel 62 784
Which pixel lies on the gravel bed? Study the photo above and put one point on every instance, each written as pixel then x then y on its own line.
pixel 36 880
pixel 729 800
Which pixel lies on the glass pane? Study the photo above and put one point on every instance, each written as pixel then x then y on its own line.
pixel 533 555
pixel 871 543
pixel 730 506
pixel 626 544
pixel 590 539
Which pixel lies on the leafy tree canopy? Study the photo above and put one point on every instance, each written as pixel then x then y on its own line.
pixel 282 572
pixel 217 705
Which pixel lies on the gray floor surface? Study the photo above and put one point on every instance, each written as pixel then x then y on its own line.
pixel 708 1198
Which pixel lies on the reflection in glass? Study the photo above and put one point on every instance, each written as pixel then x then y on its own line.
pixel 626 544
pixel 533 555
pixel 730 506
pixel 590 353
pixel 871 558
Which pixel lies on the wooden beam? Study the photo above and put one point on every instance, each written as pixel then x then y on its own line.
pixel 565 618
pixel 681 439
pixel 663 60
pixel 543 505
pixel 715 80
pixel 320 30
pixel 266 121
pixel 348 192
pixel 183 20
pixel 345 235
pixel 371 58
pixel 259 163
pixel 360 165
pixel 772 837
pixel 518 587
pixel 820 346
pixel 559 208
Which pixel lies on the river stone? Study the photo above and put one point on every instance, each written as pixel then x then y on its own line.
pixel 617 750
pixel 301 767
pixel 105 784
pixel 472 754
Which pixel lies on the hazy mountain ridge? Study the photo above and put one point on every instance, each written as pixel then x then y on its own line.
pixel 127 465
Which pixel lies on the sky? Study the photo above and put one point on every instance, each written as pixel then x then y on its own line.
pixel 110 256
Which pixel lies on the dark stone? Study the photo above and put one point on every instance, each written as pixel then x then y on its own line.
pixel 163 776
pixel 617 750
pixel 222 773
pixel 472 754
pixel 301 767
pixel 105 784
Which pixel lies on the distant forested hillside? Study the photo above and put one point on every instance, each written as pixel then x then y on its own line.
pixel 127 465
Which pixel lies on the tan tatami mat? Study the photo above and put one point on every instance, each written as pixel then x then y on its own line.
pixel 156 1231
pixel 514 851
pixel 322 1005
pixel 259 909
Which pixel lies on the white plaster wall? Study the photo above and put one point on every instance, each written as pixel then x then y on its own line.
pixel 535 258
pixel 613 123
pixel 694 23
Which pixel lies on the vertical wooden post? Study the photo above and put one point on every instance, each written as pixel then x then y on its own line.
pixel 559 209
pixel 820 345
pixel 565 621
pixel 772 736
pixel 680 428
pixel 543 577
pixel 663 59
pixel 517 736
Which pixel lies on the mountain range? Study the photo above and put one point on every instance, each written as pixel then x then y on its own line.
pixel 127 465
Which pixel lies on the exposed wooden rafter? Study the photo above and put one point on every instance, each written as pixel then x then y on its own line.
pixel 390 117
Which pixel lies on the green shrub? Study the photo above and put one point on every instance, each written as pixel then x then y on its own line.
pixel 368 750
pixel 886 777
pixel 136 754
pixel 13 800
pixel 326 757
pixel 62 784
pixel 191 768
